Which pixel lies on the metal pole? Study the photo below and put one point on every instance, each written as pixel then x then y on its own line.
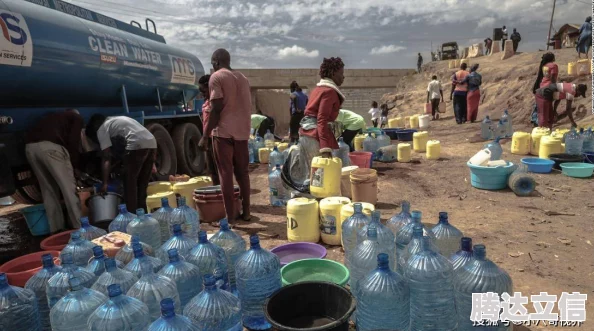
pixel 551 25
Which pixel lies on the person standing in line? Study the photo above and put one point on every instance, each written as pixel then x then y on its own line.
pixel 473 98
pixel 460 91
pixel 139 156
pixel 210 160
pixel 585 39
pixel 375 113
pixel 352 124
pixel 503 38
pixel 52 149
pixel 385 110
pixel 434 95
pixel 229 126
pixel 297 106
pixel 488 44
pixel 419 63
pixel 516 38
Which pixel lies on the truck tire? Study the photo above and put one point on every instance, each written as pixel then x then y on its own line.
pixel 190 159
pixel 30 194
pixel 166 162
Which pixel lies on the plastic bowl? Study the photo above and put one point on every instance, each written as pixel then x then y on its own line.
pixel 392 133
pixel 589 157
pixel 537 165
pixel 56 242
pixel 577 169
pixel 490 178
pixel 563 158
pixel 22 268
pixel 315 270
pixel 291 252
pixel 406 134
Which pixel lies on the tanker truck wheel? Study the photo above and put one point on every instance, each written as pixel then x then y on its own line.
pixel 166 162
pixel 30 194
pixel 190 159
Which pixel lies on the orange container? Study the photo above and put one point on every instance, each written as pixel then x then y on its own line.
pixel 56 242
pixel 112 242
pixel 19 270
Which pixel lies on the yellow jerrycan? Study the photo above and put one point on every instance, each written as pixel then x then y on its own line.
pixel 549 145
pixel 264 155
pixel 537 133
pixel 572 68
pixel 359 142
pixel 420 141
pixel 303 220
pixel 331 224
pixel 325 177
pixel 282 147
pixel 414 122
pixel 433 150
pixel 158 187
pixel 520 143
pixel 407 122
pixel 404 152
pixel 583 67
pixel 186 189
pixel 153 202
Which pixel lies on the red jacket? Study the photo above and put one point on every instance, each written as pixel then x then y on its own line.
pixel 324 104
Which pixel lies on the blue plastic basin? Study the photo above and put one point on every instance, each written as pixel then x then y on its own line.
pixel 490 178
pixel 406 134
pixel 577 169
pixel 392 133
pixel 538 165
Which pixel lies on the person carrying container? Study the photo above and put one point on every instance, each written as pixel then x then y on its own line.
pixel 139 156
pixel 549 98
pixel 53 151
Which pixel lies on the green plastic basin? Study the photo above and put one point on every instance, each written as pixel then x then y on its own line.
pixel 318 270
pixel 577 169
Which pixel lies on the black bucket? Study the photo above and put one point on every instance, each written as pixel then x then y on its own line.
pixel 310 306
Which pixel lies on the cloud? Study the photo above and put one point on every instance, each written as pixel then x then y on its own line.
pixel 297 51
pixel 386 49
pixel 485 23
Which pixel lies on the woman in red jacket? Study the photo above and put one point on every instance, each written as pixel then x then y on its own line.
pixel 317 132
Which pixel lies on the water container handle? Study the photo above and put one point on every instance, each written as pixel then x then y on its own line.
pixel 136 24
pixel 146 22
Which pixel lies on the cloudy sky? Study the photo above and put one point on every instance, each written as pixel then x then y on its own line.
pixel 365 33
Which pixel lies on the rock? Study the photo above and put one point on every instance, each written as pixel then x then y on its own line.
pixel 564 240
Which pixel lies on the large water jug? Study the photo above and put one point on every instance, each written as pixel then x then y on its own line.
pixel 486 131
pixel 574 142
pixel 72 311
pixel 398 221
pixel 114 275
pixel 80 248
pixel 185 275
pixel 179 241
pixel 152 288
pixel 383 140
pixel 126 254
pixel 342 152
pixel 588 145
pixel 383 299
pixel 258 276
pixel 350 229
pixel 414 246
pixel 507 120
pixel 500 130
pixel 495 148
pixel 447 236
pixel 170 321
pixel 18 307
pixel 120 312
pixel 210 259
pixel 134 266
pixel 384 235
pixel 404 236
pixel 146 228
pixel 186 217
pixel 268 139
pixel 363 258
pixel 97 264
pixel 275 158
pixel 480 275
pixel 325 177
pixel 259 143
pixel 38 284
pixel 462 256
pixel 233 245
pixel 120 223
pixel 214 309
pixel 370 144
pixel 89 232
pixel 279 194
pixel 162 215
pixel 57 286
pixel 430 278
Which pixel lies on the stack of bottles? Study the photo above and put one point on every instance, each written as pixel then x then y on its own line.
pixel 279 193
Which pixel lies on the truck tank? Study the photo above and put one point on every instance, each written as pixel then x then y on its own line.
pixel 55 55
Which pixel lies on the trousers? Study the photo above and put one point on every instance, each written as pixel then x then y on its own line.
pixel 51 165
pixel 138 165
pixel 232 158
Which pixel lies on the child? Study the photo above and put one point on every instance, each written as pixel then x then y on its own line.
pixel 375 113
pixel 384 114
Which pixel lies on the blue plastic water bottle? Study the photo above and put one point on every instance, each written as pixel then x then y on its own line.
pixel 162 215
pixel 170 321
pixel 462 256
pixel 80 248
pixel 210 259
pixel 58 286
pixel 185 275
pixel 38 284
pixel 447 236
pixel 97 264
pixel 146 228
pixel 134 266
pixel 73 310
pixel 233 245
pixel 120 312
pixel 179 241
pixel 120 223
pixel 18 307
pixel 186 217
pixel 398 221
pixel 89 232
pixel 114 275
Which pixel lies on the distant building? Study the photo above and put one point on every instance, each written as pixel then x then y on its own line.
pixel 567 36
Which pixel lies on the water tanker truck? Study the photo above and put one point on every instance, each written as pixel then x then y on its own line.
pixel 55 55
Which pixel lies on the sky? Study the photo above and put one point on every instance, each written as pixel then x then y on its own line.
pixel 364 33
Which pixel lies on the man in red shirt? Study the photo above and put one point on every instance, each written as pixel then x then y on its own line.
pixel 229 126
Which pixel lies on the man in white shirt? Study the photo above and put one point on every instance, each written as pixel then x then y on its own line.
pixel 375 113
pixel 139 156
pixel 435 94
